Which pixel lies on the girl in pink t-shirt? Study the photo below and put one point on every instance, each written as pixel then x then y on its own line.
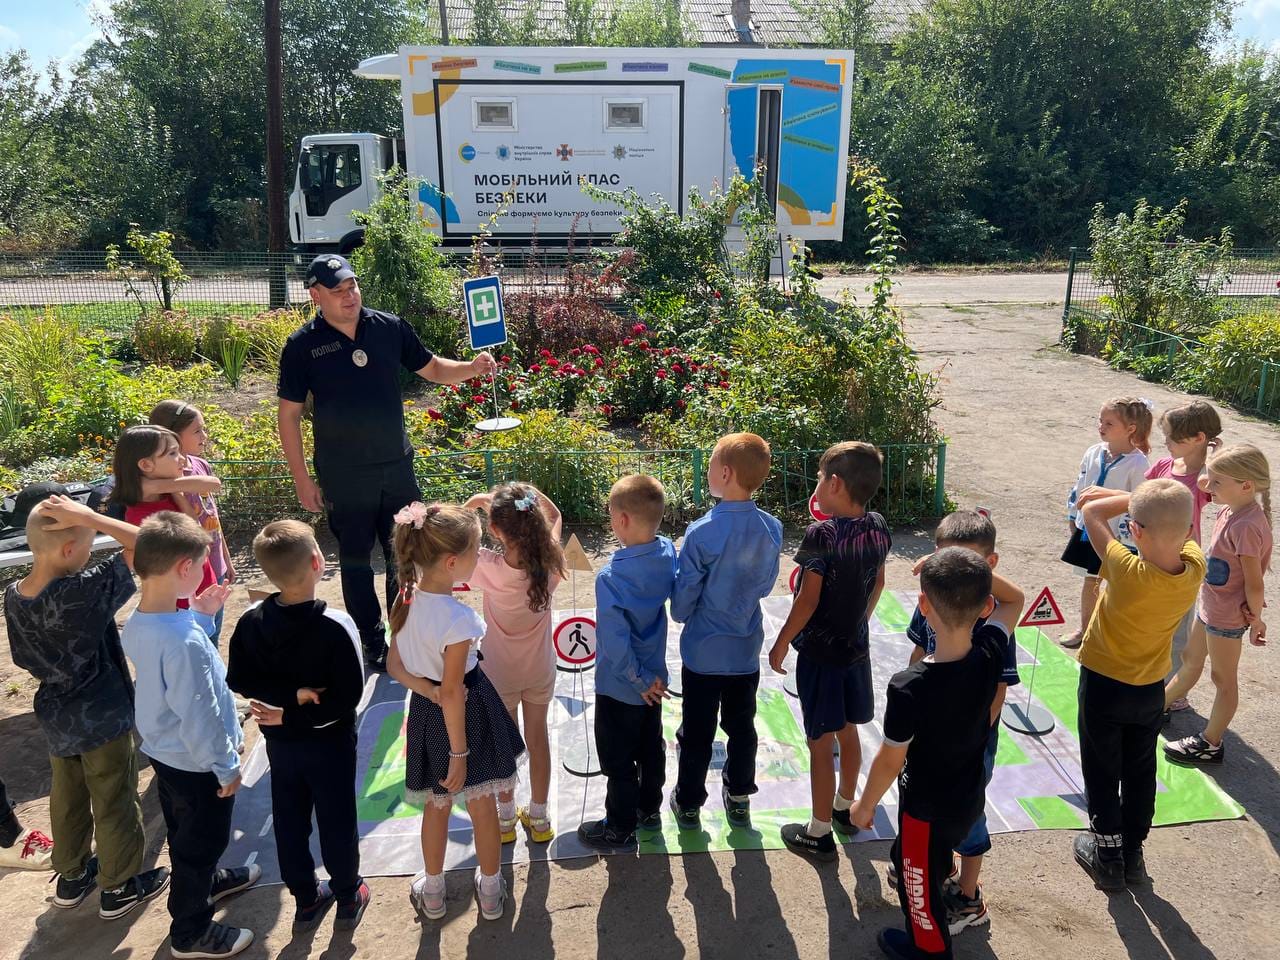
pixel 1231 598
pixel 519 659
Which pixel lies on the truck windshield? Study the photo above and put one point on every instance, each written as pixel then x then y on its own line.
pixel 328 171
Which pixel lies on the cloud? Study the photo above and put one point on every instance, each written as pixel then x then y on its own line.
pixel 1260 10
pixel 9 37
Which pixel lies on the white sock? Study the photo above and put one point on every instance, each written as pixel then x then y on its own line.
pixel 537 811
pixel 506 809
pixel 742 799
pixel 433 883
pixel 490 884
pixel 841 803
pixel 818 828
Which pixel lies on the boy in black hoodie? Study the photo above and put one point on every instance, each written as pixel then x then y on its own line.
pixel 299 664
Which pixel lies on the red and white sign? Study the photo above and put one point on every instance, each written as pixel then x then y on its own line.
pixel 1043 611
pixel 462 588
pixel 983 512
pixel 575 640
pixel 816 513
pixel 795 580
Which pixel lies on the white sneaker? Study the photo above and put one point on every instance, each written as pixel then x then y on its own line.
pixel 492 905
pixel 31 851
pixel 430 902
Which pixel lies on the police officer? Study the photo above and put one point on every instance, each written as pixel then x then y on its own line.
pixel 349 358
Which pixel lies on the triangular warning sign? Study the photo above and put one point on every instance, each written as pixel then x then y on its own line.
pixel 575 558
pixel 1043 611
pixel 461 588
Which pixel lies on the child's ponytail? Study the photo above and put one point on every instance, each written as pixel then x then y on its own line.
pixel 422 536
pixel 515 512
pixel 1241 462
pixel 1136 413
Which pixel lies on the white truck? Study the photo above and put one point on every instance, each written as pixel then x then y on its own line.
pixel 520 128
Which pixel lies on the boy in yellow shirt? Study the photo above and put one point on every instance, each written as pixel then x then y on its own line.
pixel 1124 659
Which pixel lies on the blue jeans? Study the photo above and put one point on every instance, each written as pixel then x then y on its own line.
pixel 978 841
pixel 217 617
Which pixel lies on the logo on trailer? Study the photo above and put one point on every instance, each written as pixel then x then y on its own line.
pixel 619 152
pixel 466 153
pixel 575 640
pixel 503 152
pixel 1043 611
pixel 564 152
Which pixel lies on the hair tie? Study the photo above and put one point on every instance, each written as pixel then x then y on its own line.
pixel 526 502
pixel 1148 403
pixel 406 594
pixel 415 514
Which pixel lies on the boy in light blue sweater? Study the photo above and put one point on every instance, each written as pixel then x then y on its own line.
pixel 186 716
pixel 728 561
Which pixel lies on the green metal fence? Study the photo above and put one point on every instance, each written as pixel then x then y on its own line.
pixel 1249 382
pixel 78 284
pixel 579 481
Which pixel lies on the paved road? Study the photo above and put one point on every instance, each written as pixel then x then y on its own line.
pixel 925 289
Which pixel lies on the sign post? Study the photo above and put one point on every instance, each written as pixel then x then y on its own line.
pixel 574 639
pixel 1031 718
pixel 487 327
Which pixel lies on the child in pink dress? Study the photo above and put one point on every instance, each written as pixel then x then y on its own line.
pixel 519 659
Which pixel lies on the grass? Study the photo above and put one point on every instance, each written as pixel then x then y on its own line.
pixel 117 316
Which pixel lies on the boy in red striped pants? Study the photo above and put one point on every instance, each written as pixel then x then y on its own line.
pixel 937 717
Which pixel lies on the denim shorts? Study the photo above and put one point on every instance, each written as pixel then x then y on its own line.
pixel 1227 633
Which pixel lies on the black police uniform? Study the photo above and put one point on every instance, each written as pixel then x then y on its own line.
pixel 363 459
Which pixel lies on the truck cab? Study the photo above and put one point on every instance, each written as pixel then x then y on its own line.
pixel 337 175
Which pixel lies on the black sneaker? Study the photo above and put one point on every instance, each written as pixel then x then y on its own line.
pixel 687 818
pixel 598 834
pixel 350 912
pixel 798 840
pixel 71 893
pixel 842 820
pixel 1107 872
pixel 136 890
pixel 229 880
pixel 304 918
pixel 965 911
pixel 896 943
pixel 649 821
pixel 738 811
pixel 1194 751
pixel 218 940
pixel 1135 868
pixel 375 649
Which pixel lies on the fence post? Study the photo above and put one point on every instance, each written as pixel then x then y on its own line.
pixel 1071 275
pixel 940 480
pixel 1262 386
pixel 697 478
pixel 488 468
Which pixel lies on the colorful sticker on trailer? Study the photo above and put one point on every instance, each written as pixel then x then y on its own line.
pixel 442 203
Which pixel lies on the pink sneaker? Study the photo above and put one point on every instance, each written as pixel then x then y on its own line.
pixel 1179 704
pixel 428 899
pixel 492 905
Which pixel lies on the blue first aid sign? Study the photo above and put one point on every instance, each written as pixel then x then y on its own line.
pixel 485 322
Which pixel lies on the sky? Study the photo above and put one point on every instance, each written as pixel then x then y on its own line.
pixel 63 29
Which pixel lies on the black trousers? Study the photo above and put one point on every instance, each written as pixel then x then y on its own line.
pixel 315 776
pixel 632 758
pixel 361 503
pixel 10 828
pixel 732 700
pixel 1119 726
pixel 922 854
pixel 199 825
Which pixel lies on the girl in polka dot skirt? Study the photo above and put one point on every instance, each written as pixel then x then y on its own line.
pixel 461 740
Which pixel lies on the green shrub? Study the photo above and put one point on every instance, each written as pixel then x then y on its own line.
pixel 1230 361
pixel 401 267
pixel 155 267
pixel 37 350
pixel 166 336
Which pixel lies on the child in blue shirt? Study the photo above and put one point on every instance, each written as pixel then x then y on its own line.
pixel 631 663
pixel 728 561
pixel 971 530
pixel 842 560
pixel 186 717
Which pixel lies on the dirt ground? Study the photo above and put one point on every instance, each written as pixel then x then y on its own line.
pixel 1018 413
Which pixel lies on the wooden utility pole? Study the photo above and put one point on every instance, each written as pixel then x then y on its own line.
pixel 444 22
pixel 276 226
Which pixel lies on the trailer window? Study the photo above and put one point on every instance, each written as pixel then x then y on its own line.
pixel 329 171
pixel 624 114
pixel 493 114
